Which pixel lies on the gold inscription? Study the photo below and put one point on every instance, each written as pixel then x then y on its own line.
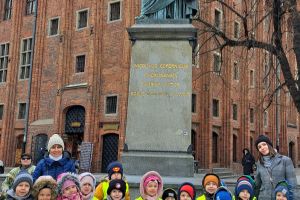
pixel 161 75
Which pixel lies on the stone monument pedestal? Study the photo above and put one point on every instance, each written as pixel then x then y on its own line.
pixel 158 128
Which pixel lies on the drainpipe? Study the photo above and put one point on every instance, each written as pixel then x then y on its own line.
pixel 30 77
pixel 277 106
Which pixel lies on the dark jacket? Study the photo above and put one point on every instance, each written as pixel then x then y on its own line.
pixel 47 166
pixel 282 168
pixel 248 161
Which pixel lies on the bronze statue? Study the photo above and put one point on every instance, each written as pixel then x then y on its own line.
pixel 169 9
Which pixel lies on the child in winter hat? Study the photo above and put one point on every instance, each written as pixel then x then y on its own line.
pixel 68 187
pixel 116 189
pixel 282 191
pixel 210 184
pixel 151 186
pixel 114 171
pixel 55 139
pixel 114 168
pixel 44 188
pixel 187 191
pixel 244 189
pixel 223 193
pixel 87 185
pixel 21 188
pixel 169 194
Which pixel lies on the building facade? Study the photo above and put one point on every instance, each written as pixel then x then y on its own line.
pixel 79 84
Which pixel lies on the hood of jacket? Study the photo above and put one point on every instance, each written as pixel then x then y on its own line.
pixel 160 186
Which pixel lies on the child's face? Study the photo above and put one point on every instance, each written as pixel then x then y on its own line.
pixel 184 196
pixel 116 194
pixel 280 196
pixel 44 194
pixel 152 188
pixel 86 188
pixel 116 176
pixel 22 189
pixel 244 195
pixel 70 190
pixel 211 187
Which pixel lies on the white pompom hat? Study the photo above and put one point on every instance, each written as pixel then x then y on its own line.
pixel 55 139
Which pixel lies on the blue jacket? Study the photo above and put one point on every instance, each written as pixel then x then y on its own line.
pixel 47 166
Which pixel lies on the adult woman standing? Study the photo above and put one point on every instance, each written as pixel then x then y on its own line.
pixel 272 168
pixel 248 161
pixel 56 162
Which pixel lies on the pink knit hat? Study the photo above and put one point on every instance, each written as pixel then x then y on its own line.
pixel 150 179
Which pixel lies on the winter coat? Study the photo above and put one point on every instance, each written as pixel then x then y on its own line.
pixel 248 161
pixel 205 197
pixel 282 168
pixel 47 166
pixel 101 189
pixel 11 195
pixel 10 177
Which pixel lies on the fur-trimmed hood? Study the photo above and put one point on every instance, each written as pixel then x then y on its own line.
pixel 160 185
pixel 62 178
pixel 44 182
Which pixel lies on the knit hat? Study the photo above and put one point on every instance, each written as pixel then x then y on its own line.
pixel 87 177
pixel 169 193
pixel 189 188
pixel 211 177
pixel 247 178
pixel 222 193
pixel 65 180
pixel 284 188
pixel 263 138
pixel 244 185
pixel 114 167
pixel 117 184
pixel 143 193
pixel 44 182
pixel 150 179
pixel 23 176
pixel 55 139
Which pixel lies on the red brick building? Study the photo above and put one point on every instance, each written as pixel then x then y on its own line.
pixel 80 76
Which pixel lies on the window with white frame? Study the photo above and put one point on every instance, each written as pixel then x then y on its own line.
pixel 234 111
pixel 218 19
pixel 1 111
pixel 265 119
pixel 30 6
pixel 4 52
pixel 215 108
pixel 7 9
pixel 80 63
pixel 236 30
pixel 252 78
pixel 22 111
pixel 82 19
pixel 236 71
pixel 25 62
pixel 53 27
pixel 217 63
pixel 114 10
pixel 111 104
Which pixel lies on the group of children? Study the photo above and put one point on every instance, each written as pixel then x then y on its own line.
pixel 70 186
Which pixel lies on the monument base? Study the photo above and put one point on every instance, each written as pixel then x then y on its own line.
pixel 165 163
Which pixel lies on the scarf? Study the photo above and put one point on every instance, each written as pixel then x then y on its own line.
pixel 12 193
pixel 267 161
pixel 55 158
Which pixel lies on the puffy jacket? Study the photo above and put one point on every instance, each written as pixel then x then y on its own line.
pixel 101 190
pixel 53 168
